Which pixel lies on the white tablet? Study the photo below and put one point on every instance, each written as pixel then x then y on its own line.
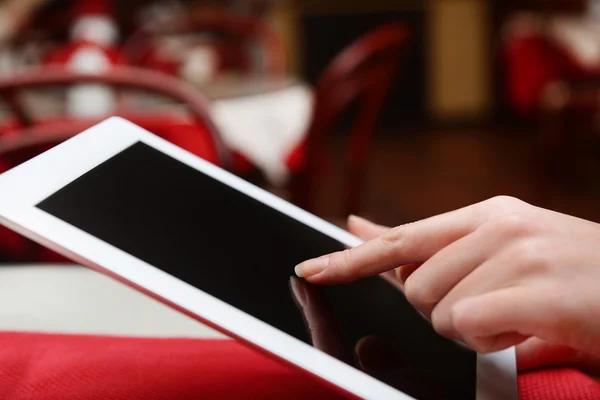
pixel 129 204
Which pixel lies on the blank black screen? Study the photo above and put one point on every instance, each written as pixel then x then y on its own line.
pixel 243 252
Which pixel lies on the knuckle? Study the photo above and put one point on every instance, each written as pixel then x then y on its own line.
pixel 464 323
pixel 340 260
pixel 412 292
pixel 511 225
pixel 394 238
pixel 531 257
pixel 440 324
pixel 505 203
pixel 420 296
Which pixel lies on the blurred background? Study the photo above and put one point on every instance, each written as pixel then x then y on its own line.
pixel 395 110
pixel 392 109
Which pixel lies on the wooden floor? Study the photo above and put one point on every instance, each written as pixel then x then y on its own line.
pixel 419 175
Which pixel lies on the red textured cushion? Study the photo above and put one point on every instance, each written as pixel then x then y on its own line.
pixel 558 384
pixel 53 367
pixel 81 367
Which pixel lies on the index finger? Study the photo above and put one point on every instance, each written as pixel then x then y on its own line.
pixel 407 244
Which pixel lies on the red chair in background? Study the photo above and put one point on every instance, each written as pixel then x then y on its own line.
pixel 363 73
pixel 550 79
pixel 230 36
pixel 23 137
pixel 534 58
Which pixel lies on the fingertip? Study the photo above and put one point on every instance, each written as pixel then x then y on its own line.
pixel 312 267
pixel 298 271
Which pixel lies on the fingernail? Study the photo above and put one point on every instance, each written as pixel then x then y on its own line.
pixel 311 267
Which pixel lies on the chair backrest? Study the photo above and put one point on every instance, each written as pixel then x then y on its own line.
pixel 362 73
pixel 246 30
pixel 118 77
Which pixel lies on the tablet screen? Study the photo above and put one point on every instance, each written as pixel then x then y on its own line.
pixel 243 252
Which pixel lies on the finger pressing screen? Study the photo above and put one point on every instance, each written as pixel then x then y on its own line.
pixel 407 244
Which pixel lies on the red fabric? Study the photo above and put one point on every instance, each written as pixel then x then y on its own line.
pixel 532 62
pixel 296 159
pixel 53 367
pixel 191 138
pixel 78 367
pixel 530 66
pixel 558 384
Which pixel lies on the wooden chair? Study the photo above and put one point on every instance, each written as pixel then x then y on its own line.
pixel 569 108
pixel 234 37
pixel 362 74
pixel 25 126
pixel 547 84
pixel 24 137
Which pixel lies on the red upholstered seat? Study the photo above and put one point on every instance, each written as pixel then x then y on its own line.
pixel 54 367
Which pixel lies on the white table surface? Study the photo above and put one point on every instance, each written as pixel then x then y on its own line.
pixel 266 127
pixel 73 299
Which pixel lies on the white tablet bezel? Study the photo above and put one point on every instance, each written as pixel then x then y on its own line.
pixel 28 184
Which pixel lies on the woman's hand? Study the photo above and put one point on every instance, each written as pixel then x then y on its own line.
pixel 492 275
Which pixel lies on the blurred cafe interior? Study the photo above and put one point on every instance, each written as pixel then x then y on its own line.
pixel 395 110
pixel 448 103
